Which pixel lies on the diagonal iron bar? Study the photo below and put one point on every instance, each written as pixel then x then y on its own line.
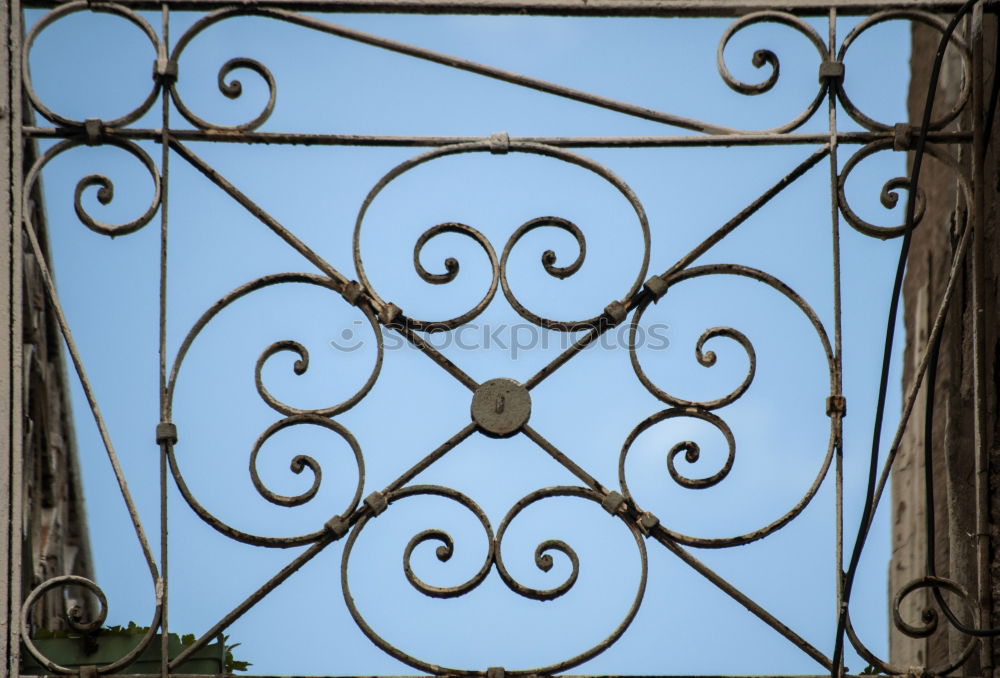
pixel 459 63
pixel 257 211
pixel 741 598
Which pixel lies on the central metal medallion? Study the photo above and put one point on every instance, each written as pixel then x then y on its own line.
pixel 500 407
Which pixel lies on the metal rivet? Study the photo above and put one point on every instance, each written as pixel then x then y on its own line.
pixel 500 407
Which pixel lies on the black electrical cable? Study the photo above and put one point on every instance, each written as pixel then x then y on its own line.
pixel 932 369
pixel 890 331
pixel 929 496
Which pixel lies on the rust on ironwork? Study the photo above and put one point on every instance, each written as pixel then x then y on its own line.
pixel 501 407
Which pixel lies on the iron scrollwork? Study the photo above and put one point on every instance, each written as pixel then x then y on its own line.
pixel 381 316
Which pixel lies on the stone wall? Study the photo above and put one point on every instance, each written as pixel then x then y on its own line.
pixel 54 531
pixel 954 431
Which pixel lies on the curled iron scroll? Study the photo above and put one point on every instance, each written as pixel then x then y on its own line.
pixel 928 626
pixel 105 192
pixel 444 553
pixel 765 57
pixel 445 550
pixel 690 448
pixel 85 628
pixel 888 197
pixel 543 559
pixel 700 410
pixel 83 6
pixel 231 88
pixel 704 358
pixel 303 461
pixel 318 417
pixel 928 19
pixel 499 271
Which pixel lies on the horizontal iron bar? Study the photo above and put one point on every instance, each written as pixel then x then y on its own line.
pixel 559 675
pixel 429 141
pixel 621 8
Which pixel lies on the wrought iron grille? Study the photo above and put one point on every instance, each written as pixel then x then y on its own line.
pixel 499 406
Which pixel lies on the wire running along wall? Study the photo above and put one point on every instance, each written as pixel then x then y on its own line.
pixel 499 407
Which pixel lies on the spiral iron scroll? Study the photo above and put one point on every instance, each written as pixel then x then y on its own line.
pixel 294 416
pixel 766 57
pixel 369 303
pixel 499 270
pixel 888 196
pixel 229 87
pixel 916 16
pixel 543 560
pixel 85 628
pixel 927 626
pixel 703 409
pixel 85 6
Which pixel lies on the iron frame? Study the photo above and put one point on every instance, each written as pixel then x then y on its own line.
pixel 19 233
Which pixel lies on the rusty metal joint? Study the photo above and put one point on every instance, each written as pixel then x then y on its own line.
pixel 648 522
pixel 389 314
pixel 376 503
pixel 352 292
pixel 338 526
pixel 831 72
pixel 902 136
pixel 94 129
pixel 836 405
pixel 164 71
pixel 495 672
pixel 656 286
pixel 613 502
pixel 88 672
pixel 499 143
pixel 918 672
pixel 166 433
pixel 615 312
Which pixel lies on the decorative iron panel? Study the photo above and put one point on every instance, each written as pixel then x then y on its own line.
pixel 498 406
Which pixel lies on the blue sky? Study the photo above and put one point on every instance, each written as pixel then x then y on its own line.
pixel 587 409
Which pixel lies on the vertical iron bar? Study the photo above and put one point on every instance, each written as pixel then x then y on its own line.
pixel 980 376
pixel 838 358
pixel 10 340
pixel 164 189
